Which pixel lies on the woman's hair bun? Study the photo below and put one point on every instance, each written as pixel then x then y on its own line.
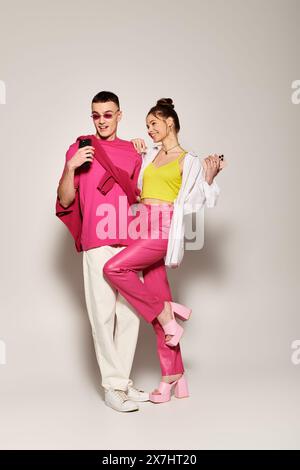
pixel 165 102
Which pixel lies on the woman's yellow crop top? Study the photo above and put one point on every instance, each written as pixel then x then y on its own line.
pixel 162 182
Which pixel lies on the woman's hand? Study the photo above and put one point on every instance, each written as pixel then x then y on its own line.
pixel 139 145
pixel 212 166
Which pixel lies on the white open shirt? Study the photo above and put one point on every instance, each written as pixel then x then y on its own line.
pixel 194 194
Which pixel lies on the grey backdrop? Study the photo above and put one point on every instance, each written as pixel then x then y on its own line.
pixel 229 67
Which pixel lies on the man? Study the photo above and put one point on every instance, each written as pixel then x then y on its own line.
pixel 114 323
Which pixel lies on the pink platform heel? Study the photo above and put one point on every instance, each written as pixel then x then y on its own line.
pixel 180 310
pixel 180 391
pixel 172 328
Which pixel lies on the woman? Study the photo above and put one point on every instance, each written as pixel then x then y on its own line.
pixel 168 187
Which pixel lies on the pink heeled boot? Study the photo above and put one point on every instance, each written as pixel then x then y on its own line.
pixel 180 391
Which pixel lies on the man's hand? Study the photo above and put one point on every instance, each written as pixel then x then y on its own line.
pixel 139 145
pixel 84 154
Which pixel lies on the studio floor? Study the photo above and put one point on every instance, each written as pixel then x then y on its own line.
pixel 224 411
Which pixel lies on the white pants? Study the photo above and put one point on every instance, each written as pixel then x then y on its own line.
pixel 115 325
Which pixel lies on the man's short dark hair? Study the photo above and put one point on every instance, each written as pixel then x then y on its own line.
pixel 104 96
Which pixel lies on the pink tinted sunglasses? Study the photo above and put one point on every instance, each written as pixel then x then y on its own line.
pixel 107 115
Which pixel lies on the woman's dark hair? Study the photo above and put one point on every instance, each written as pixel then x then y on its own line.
pixel 104 96
pixel 165 108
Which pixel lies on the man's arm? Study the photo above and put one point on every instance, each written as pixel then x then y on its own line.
pixel 69 182
pixel 135 175
pixel 137 169
pixel 66 190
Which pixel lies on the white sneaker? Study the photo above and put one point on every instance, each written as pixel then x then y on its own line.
pixel 137 395
pixel 119 401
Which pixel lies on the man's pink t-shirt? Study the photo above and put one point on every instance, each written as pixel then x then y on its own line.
pixel 106 216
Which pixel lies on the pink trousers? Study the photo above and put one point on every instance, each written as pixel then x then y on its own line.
pixel 146 254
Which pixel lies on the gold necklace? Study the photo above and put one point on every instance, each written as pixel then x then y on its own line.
pixel 166 151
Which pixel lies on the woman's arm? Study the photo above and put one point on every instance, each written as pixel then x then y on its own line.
pixel 212 165
pixel 205 192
